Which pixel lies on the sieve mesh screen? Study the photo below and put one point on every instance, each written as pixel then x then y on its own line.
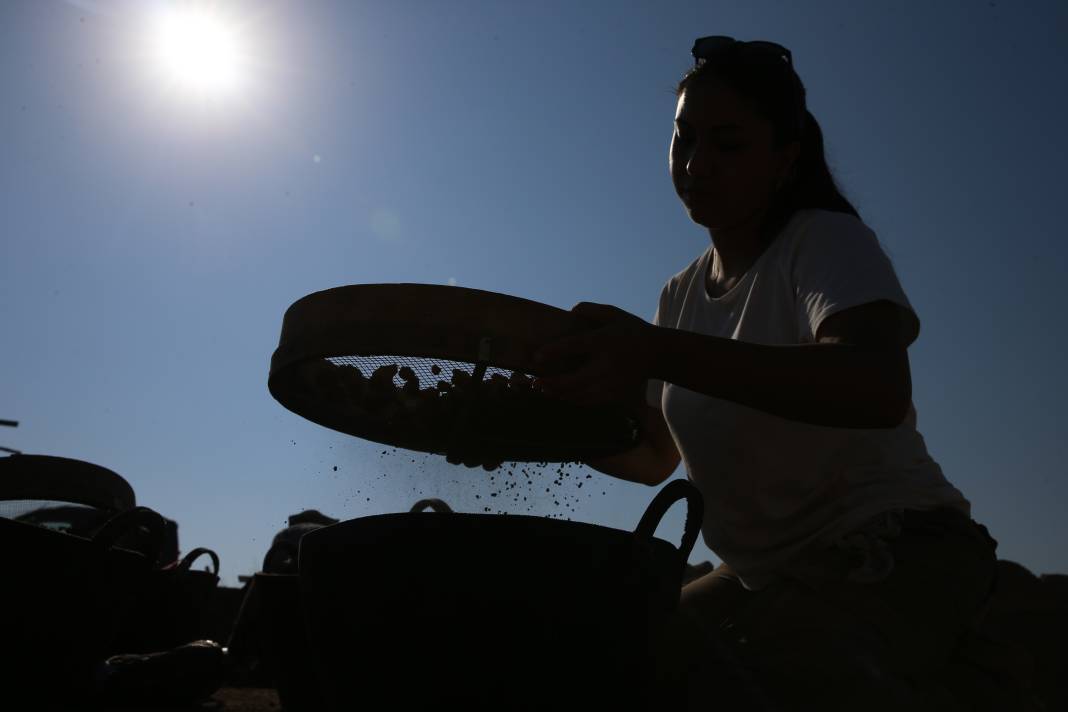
pixel 436 405
pixel 428 371
pixel 54 514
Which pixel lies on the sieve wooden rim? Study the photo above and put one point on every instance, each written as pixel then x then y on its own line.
pixel 62 479
pixel 423 321
pixel 419 320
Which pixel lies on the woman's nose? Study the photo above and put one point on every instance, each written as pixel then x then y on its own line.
pixel 698 162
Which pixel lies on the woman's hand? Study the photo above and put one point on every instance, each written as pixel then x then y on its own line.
pixel 615 358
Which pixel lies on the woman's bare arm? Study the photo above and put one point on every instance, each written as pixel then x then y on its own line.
pixel 652 461
pixel 855 376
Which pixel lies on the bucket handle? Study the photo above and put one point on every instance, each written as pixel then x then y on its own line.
pixel 124 522
pixel 187 561
pixel 695 513
pixel 436 504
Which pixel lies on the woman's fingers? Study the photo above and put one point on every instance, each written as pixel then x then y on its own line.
pixel 601 317
pixel 584 387
pixel 566 383
pixel 600 313
pixel 552 354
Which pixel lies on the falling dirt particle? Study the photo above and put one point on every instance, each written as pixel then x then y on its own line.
pixel 335 469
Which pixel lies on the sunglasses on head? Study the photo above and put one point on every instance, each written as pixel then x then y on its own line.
pixel 706 47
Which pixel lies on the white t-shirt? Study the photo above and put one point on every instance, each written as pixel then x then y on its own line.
pixel 774 487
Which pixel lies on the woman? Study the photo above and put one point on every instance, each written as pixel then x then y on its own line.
pixel 776 371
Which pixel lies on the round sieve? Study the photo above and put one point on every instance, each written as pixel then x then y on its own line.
pixel 61 493
pixel 437 369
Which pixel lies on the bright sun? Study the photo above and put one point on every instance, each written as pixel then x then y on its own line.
pixel 199 50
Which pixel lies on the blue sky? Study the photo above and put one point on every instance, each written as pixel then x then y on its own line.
pixel 150 242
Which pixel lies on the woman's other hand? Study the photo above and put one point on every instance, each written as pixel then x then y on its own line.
pixel 614 358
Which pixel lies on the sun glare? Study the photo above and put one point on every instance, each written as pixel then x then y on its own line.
pixel 199 51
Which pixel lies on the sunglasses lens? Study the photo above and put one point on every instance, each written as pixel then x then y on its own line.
pixel 771 48
pixel 705 47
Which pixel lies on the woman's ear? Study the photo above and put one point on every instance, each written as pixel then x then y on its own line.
pixel 791 157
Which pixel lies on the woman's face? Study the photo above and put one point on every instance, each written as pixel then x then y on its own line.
pixel 722 160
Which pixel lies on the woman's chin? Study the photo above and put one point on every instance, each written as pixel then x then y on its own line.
pixel 703 216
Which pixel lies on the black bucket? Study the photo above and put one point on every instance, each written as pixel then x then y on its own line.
pixel 418 611
pixel 62 603
pixel 174 608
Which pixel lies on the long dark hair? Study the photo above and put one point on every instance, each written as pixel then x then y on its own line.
pixel 775 91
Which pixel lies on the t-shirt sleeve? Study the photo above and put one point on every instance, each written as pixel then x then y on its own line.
pixel 654 388
pixel 838 263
